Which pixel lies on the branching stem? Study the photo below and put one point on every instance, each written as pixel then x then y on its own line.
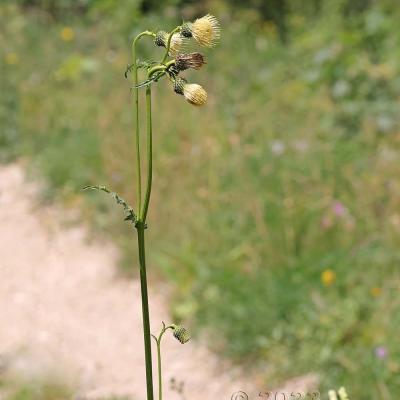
pixel 158 342
pixel 168 46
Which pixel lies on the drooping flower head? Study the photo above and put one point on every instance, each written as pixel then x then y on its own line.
pixel 194 93
pixel 205 30
pixel 190 60
pixel 177 41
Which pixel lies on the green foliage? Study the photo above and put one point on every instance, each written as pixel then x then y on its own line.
pixel 128 210
pixel 40 391
pixel 275 208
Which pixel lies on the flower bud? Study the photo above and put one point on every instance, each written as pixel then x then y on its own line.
pixel 190 60
pixel 186 30
pixel 159 39
pixel 179 84
pixel 181 333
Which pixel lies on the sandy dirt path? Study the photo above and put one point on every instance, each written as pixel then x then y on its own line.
pixel 64 311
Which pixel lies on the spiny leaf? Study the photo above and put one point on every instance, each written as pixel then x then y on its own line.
pixel 139 64
pixel 129 212
pixel 145 64
pixel 149 81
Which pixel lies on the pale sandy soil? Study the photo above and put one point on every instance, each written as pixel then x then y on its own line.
pixel 65 312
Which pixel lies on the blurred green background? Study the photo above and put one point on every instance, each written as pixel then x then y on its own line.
pixel 276 208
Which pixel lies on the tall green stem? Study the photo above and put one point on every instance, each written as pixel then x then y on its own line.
pixel 149 155
pixel 137 133
pixel 145 310
pixel 141 225
pixel 136 112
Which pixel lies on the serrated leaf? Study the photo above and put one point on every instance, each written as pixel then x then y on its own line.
pixel 149 81
pixel 139 64
pixel 129 211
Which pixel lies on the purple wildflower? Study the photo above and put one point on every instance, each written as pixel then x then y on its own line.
pixel 338 209
pixel 381 352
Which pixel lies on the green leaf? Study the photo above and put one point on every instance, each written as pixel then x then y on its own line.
pixel 149 81
pixel 139 64
pixel 129 212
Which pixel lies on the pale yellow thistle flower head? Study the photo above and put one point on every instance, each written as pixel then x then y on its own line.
pixel 177 41
pixel 206 30
pixel 195 94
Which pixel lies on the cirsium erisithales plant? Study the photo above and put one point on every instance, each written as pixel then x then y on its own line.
pixel 174 61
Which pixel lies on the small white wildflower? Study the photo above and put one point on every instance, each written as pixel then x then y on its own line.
pixel 277 147
pixel 332 395
pixel 343 394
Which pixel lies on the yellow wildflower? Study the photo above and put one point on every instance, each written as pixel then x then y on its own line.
pixel 328 277
pixel 67 34
pixel 12 58
pixel 376 291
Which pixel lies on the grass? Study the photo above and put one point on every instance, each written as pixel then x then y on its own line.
pixel 39 388
pixel 18 387
pixel 275 209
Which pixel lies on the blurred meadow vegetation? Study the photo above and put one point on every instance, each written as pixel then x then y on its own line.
pixel 276 208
